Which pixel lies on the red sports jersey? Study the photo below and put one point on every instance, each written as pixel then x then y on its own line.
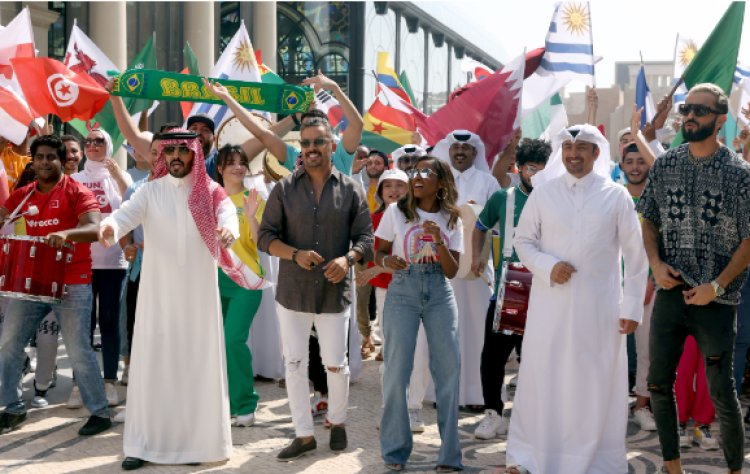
pixel 59 209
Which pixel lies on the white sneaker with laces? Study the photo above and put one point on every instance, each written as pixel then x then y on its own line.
pixel 74 401
pixel 110 391
pixel 685 441
pixel 493 424
pixel 119 417
pixel 244 420
pixel 703 438
pixel 645 419
pixel 415 420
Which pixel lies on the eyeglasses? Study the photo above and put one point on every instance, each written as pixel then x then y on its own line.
pixel 407 160
pixel 699 110
pixel 423 173
pixel 531 169
pixel 182 150
pixel 94 142
pixel 320 141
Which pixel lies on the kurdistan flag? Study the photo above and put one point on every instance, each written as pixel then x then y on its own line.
pixel 546 120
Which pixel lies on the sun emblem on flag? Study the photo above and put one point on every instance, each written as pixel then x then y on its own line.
pixel 576 18
pixel 243 57
pixel 687 53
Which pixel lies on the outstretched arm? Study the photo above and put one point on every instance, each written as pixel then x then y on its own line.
pixel 353 133
pixel 269 139
pixel 139 140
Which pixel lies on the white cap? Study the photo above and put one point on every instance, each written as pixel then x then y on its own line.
pixel 394 173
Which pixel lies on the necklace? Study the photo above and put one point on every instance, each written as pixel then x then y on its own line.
pixel 702 160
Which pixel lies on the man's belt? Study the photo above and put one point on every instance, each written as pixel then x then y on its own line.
pixel 163 85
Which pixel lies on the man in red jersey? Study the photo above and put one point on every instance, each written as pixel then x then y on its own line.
pixel 67 211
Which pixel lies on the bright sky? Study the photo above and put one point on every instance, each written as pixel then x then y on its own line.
pixel 620 29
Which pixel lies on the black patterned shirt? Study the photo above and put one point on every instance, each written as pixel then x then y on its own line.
pixel 702 209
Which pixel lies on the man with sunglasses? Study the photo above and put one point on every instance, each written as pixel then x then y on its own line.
pixel 696 230
pixel 531 157
pixel 188 225
pixel 317 222
pixel 406 157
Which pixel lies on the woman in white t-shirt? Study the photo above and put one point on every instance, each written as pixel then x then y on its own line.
pixel 420 238
pixel 108 182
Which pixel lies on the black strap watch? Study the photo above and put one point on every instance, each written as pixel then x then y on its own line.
pixel 350 260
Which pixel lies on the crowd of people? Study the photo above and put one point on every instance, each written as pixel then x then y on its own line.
pixel 636 275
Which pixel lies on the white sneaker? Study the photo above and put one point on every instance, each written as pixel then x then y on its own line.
pixel 702 437
pixel 75 398
pixel 110 391
pixel 119 416
pixel 493 424
pixel 125 374
pixel 645 419
pixel 39 401
pixel 415 421
pixel 685 441
pixel 244 420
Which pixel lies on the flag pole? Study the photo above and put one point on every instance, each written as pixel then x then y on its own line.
pixel 591 38
pixel 380 85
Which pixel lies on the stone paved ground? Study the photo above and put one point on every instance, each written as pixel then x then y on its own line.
pixel 48 441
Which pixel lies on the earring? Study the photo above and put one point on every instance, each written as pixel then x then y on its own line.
pixel 444 195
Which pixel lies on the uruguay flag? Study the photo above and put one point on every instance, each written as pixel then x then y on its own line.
pixel 569 49
pixel 643 98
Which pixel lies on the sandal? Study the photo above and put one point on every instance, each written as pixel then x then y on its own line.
pixel 395 466
pixel 517 468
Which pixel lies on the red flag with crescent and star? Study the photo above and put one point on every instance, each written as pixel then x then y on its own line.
pixel 51 88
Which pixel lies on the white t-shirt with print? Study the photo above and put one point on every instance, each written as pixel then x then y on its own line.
pixel 410 242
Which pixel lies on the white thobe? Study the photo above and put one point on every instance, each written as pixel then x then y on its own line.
pixel 570 410
pixel 472 296
pixel 178 404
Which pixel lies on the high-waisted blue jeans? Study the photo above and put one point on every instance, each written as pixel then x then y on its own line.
pixel 423 294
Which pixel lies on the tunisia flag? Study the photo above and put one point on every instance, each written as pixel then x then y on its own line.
pixel 51 88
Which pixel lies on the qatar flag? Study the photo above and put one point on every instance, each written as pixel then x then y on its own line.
pixel 16 41
pixel 489 108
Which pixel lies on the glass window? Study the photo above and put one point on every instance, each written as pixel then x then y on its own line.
pixel 229 23
pixel 438 79
pixel 413 61
pixel 380 35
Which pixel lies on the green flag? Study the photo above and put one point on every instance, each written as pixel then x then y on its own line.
pixel 546 120
pixel 105 119
pixel 191 62
pixel 407 86
pixel 716 60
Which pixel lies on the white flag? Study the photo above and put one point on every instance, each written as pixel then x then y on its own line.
pixel 684 51
pixel 83 56
pixel 237 63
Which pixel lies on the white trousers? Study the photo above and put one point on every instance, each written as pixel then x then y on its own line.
pixel 641 349
pixel 333 330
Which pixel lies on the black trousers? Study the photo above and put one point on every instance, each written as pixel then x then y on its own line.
pixel 495 353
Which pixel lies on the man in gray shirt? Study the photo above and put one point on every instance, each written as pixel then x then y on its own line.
pixel 317 222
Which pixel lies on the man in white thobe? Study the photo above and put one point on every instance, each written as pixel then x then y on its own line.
pixel 475 185
pixel 570 410
pixel 178 406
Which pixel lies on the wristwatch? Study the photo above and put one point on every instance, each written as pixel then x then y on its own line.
pixel 718 289
pixel 350 260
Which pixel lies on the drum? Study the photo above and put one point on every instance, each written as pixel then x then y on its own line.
pixel 32 270
pixel 516 301
pixel 232 132
pixel 469 215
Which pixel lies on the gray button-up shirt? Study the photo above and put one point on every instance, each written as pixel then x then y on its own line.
pixel 339 222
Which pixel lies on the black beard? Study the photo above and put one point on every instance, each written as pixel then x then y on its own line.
pixel 636 183
pixel 526 184
pixel 703 132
